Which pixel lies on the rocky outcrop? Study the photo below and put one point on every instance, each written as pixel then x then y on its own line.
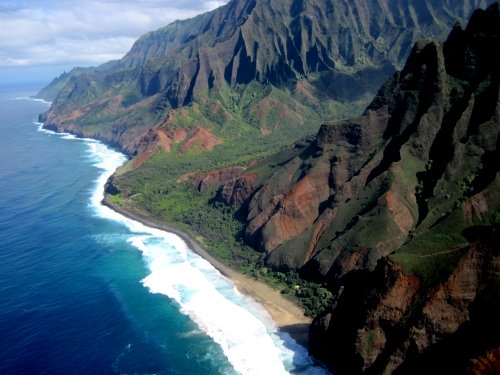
pixel 215 179
pixel 384 296
pixel 201 140
pixel 489 363
pixel 197 139
pixel 238 190
pixel 388 321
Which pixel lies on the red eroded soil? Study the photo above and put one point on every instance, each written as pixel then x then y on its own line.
pixel 201 140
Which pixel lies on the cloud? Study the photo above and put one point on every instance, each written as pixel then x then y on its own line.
pixel 83 32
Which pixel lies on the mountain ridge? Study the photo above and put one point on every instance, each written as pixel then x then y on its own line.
pixel 398 211
pixel 232 56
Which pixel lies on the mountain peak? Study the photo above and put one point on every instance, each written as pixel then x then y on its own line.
pixel 325 57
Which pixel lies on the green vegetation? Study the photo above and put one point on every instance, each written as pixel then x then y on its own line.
pixel 216 226
pixel 431 269
pixel 313 297
pixel 218 229
pixel 117 199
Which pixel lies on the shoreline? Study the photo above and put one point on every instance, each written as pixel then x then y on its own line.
pixel 287 315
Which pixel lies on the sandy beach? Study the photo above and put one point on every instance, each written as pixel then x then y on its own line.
pixel 287 315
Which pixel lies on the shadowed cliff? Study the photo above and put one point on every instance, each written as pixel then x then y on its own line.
pixel 398 210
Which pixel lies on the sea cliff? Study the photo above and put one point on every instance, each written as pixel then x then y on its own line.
pixel 371 222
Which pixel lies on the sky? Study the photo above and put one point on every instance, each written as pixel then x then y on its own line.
pixel 38 36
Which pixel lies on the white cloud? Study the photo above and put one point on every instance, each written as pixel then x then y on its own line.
pixel 83 32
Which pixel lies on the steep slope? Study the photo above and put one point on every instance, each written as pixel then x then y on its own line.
pixel 398 210
pixel 390 321
pixel 51 91
pixel 58 84
pixel 257 61
pixel 426 143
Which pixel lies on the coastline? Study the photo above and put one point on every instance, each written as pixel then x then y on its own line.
pixel 287 315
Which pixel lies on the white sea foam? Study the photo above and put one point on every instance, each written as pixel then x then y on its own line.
pixel 243 338
pixel 67 136
pixel 243 329
pixel 34 99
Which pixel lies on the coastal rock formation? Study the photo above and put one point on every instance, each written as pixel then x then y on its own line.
pixel 394 322
pixel 217 178
pixel 398 211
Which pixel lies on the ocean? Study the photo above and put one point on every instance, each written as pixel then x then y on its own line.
pixel 84 290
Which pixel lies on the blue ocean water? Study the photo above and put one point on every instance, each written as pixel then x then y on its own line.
pixel 84 290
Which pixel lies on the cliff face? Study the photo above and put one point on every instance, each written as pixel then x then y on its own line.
pixel 358 191
pixel 316 53
pixel 393 322
pixel 397 211
pixel 277 41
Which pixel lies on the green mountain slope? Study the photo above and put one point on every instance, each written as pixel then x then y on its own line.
pixel 419 149
pixel 398 211
pixel 269 66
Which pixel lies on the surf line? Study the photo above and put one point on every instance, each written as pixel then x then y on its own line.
pixel 246 333
pixel 201 292
pixel 199 289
